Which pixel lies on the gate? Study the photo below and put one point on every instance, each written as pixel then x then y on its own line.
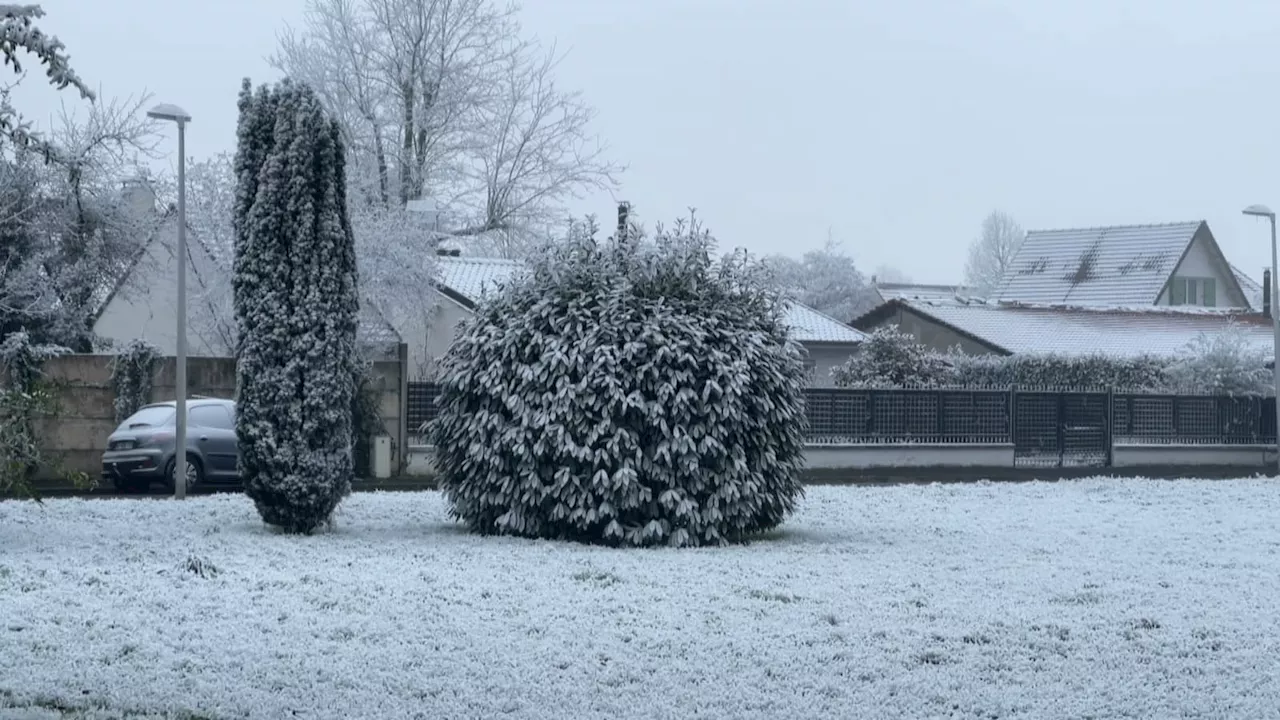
pixel 1061 428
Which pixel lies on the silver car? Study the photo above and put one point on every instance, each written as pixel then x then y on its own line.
pixel 142 450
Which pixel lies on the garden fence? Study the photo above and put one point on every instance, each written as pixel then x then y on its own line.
pixel 1046 427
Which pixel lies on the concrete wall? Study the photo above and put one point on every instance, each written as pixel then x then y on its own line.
pixel 421 458
pixel 78 435
pixel 1242 456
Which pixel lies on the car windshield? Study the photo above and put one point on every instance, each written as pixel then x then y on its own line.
pixel 148 417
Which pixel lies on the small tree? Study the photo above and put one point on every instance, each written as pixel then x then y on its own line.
pixel 631 393
pixel 890 358
pixel 296 305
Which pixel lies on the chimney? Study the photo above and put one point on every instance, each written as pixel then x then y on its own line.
pixel 624 210
pixel 137 195
pixel 1266 293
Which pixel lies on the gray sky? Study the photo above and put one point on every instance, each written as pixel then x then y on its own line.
pixel 900 125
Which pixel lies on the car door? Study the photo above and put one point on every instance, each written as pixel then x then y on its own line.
pixel 213 428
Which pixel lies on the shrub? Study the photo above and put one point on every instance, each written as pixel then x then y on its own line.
pixel 295 306
pixel 890 358
pixel 630 393
pixel 131 376
pixel 1224 363
pixel 1088 371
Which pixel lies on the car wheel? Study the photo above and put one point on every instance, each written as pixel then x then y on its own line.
pixel 195 475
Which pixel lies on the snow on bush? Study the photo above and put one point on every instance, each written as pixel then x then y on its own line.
pixel 1087 371
pixel 632 393
pixel 295 306
pixel 890 358
pixel 1224 363
pixel 131 376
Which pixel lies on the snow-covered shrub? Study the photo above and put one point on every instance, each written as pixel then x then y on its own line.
pixel 633 393
pixel 366 417
pixel 1087 371
pixel 1224 363
pixel 25 397
pixel 890 358
pixel 295 300
pixel 131 376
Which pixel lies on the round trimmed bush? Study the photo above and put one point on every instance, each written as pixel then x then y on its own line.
pixel 631 393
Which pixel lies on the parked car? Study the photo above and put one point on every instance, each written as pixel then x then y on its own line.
pixel 142 451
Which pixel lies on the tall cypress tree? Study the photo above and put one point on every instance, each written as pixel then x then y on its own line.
pixel 296 306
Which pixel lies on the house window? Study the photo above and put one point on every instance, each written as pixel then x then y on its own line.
pixel 1193 291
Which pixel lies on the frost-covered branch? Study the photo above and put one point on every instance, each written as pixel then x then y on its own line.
pixel 18 32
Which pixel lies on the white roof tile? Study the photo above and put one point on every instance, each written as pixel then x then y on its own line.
pixel 471 277
pixel 1252 289
pixel 914 291
pixel 1125 265
pixel 1032 329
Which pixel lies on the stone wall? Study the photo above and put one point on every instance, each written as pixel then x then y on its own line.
pixel 78 435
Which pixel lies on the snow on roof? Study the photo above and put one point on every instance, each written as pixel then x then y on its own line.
pixel 909 291
pixel 1251 288
pixel 472 277
pixel 1115 266
pixel 1066 330
pixel 810 326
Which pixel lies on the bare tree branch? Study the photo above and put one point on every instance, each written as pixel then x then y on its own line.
pixel 992 252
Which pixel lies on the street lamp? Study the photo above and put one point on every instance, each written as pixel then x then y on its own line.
pixel 1264 211
pixel 173 113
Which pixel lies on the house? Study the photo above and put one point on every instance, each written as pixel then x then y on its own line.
pixel 463 281
pixel 979 327
pixel 142 304
pixel 1174 264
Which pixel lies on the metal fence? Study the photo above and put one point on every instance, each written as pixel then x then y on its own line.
pixel 1046 427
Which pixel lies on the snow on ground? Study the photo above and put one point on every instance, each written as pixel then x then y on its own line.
pixel 1096 598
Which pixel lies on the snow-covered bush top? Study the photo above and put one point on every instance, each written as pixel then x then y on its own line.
pixel 131 376
pixel 631 392
pixel 890 358
pixel 1060 371
pixel 1224 363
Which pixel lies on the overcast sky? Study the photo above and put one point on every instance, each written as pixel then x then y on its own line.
pixel 899 125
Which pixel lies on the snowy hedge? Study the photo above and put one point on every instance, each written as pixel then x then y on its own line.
pixel 295 302
pixel 632 392
pixel 1089 371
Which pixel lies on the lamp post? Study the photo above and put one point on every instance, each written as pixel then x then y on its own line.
pixel 1264 211
pixel 173 113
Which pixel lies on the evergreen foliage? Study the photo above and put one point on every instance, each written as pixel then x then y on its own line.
pixel 131 375
pixel 632 393
pixel 296 303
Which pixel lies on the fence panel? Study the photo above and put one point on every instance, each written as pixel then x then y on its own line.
pixel 421 405
pixel 1148 419
pixel 1060 429
pixel 865 416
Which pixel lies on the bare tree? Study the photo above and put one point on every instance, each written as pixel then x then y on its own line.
pixel 890 274
pixel 992 253
pixel 445 99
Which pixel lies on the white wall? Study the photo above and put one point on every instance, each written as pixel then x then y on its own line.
pixel 1200 262
pixel 825 357
pixel 428 331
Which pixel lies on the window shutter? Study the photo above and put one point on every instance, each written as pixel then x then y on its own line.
pixel 1210 292
pixel 1178 291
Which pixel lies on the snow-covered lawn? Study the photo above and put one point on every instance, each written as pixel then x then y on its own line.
pixel 1097 598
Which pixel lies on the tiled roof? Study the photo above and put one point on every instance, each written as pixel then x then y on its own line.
pixel 373 327
pixel 910 291
pixel 1252 289
pixel 1124 265
pixel 471 277
pixel 1033 329
pixel 809 325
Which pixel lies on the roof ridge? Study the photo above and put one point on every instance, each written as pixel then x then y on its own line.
pixel 1130 226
